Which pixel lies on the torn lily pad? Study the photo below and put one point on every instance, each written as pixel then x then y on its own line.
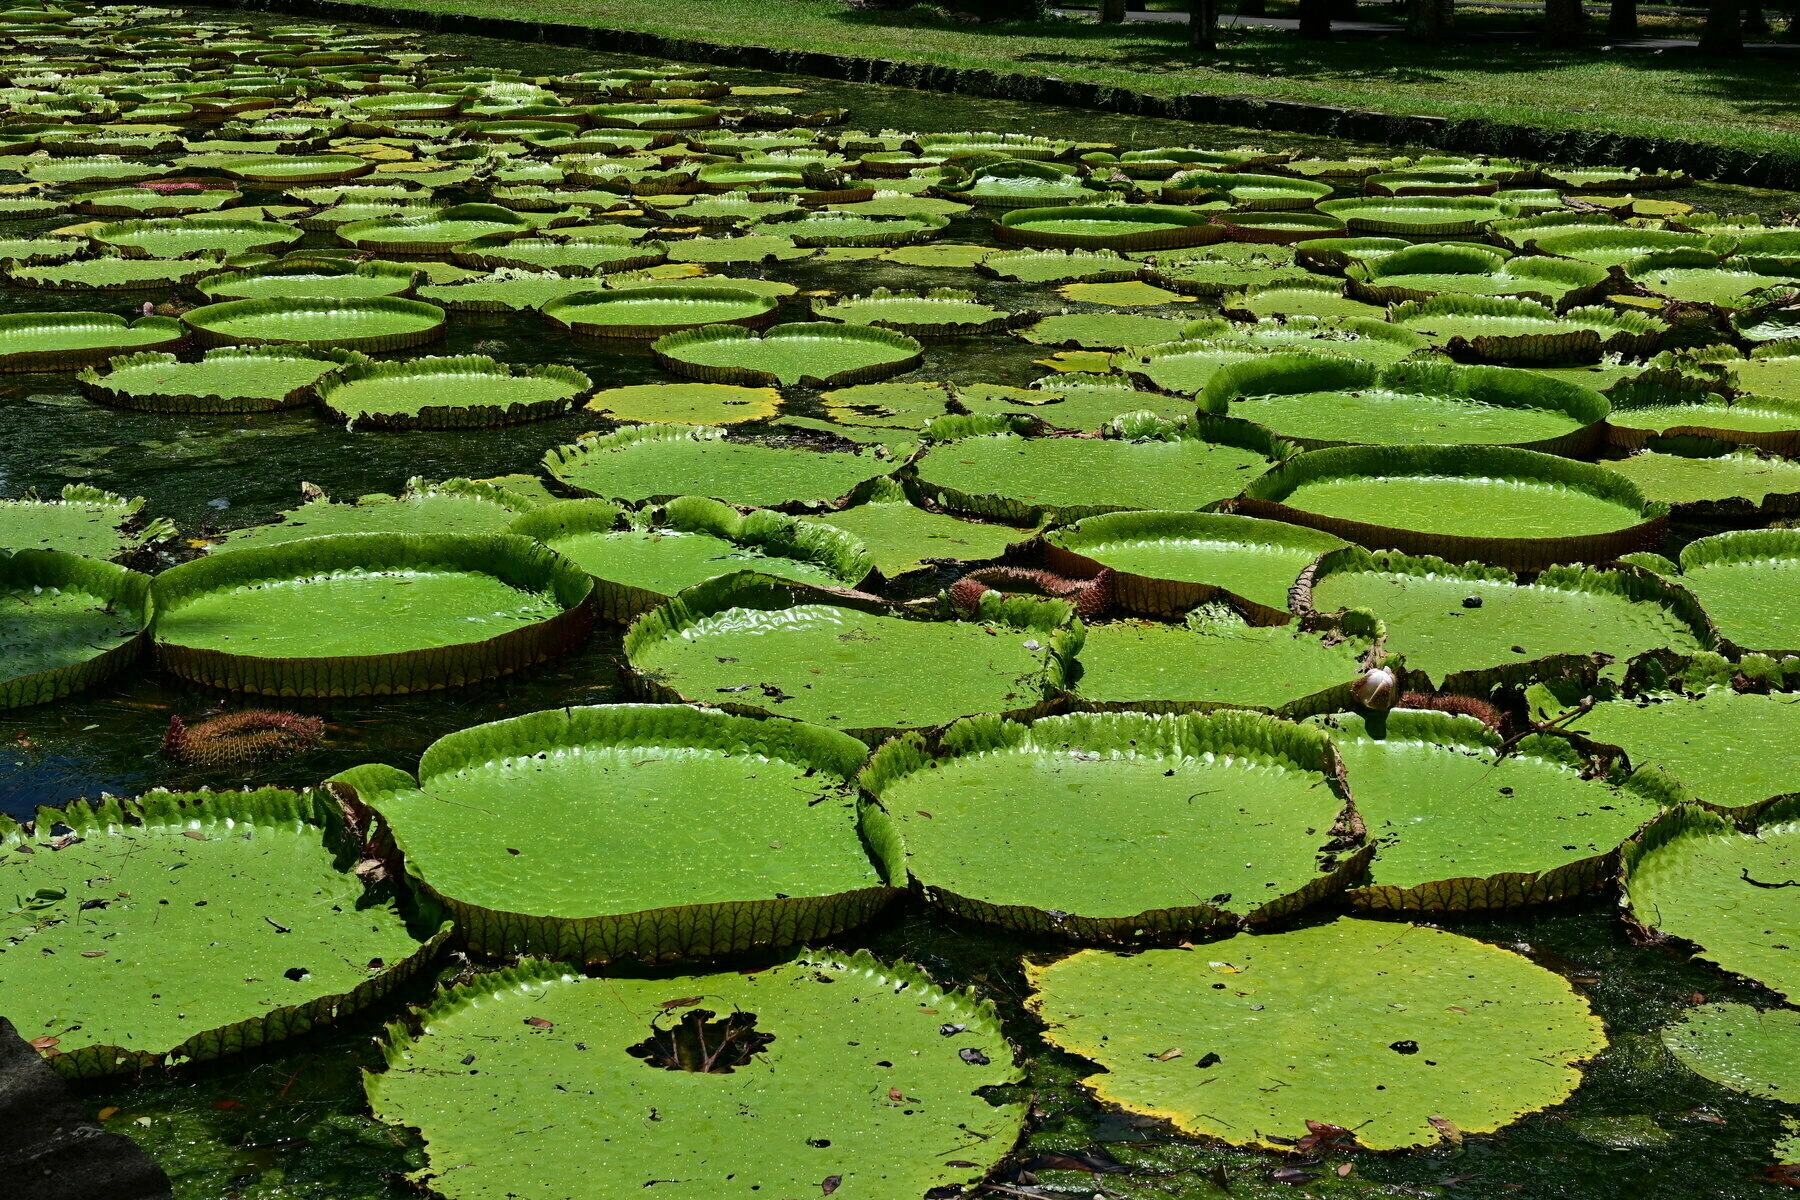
pixel 794 870
pixel 80 520
pixel 625 1050
pixel 189 926
pixel 754 643
pixel 449 506
pixel 1373 1026
pixel 1211 821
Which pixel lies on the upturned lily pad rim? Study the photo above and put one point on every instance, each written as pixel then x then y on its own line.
pixel 93 382
pixel 577 312
pixel 1064 548
pixel 575 386
pixel 1381 214
pixel 126 590
pixel 188 811
pixel 1266 496
pixel 985 316
pixel 220 283
pixel 271 234
pixel 1627 581
pixel 516 561
pixel 1187 228
pixel 398 235
pixel 424 322
pixel 1300 373
pixel 696 930
pixel 1229 734
pixel 1054 619
pixel 832 550
pixel 907 353
pixel 167 334
pixel 1571 338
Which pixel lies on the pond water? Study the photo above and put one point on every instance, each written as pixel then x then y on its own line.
pixel 292 1122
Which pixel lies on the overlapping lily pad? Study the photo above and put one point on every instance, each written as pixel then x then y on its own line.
pixel 939 312
pixel 1753 1050
pixel 687 403
pixel 902 537
pixel 752 642
pixel 188 926
pixel 602 891
pixel 1211 821
pixel 1186 366
pixel 1459 826
pixel 1497 329
pixel 433 233
pixel 189 237
pixel 66 623
pixel 1382 1029
pixel 80 520
pixel 1418 216
pixel 448 506
pixel 1746 579
pixel 310 277
pixel 112 273
pixel 652 462
pixel 368 614
pixel 1706 477
pixel 1420 272
pixel 1517 508
pixel 815 1113
pixel 459 392
pixel 638 560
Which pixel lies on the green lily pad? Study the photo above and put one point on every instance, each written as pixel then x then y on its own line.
pixel 1214 659
pixel 134 202
pixel 601 773
pixel 1109 331
pixel 565 256
pixel 1317 400
pixel 1458 826
pixel 652 312
pixel 1420 272
pixel 1245 192
pixel 1372 1026
pixel 820 352
pixel 81 520
pixel 1513 631
pixel 368 614
pixel 450 506
pixel 1060 266
pixel 1517 508
pixel 1746 579
pixel 887 405
pixel 814 1114
pixel 125 964
pixel 289 169
pixel 378 324
pixel 939 254
pixel 651 462
pixel 1708 477
pixel 310 278
pixel 828 228
pixel 643 559
pixel 988 470
pixel 1501 330
pixel 229 379
pixel 901 537
pixel 433 233
pixel 1613 247
pixel 744 248
pixel 1166 563
pixel 506 290
pixel 978 805
pixel 1726 749
pixel 940 312
pixel 66 623
pixel 461 392
pixel 190 237
pixel 62 341
pixel 687 403
pixel 113 273
pixel 1747 1049
pixel 1695 875
pixel 755 643
pixel 1186 366
pixel 1702 277
pixel 1418 216
pixel 1079 401
pixel 1106 227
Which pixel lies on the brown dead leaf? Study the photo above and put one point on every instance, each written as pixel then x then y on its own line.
pixel 1447 1130
pixel 106 1112
pixel 45 1043
pixel 680 1002
pixel 896 1095
pixel 1166 1055
pixel 540 1023
pixel 193 833
pixel 830 1183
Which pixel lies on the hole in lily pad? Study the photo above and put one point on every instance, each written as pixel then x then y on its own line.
pixel 703 1043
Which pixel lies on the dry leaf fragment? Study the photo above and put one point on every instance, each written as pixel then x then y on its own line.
pixel 1166 1055
pixel 540 1023
pixel 1447 1130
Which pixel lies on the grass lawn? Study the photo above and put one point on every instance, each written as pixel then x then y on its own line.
pixel 1749 104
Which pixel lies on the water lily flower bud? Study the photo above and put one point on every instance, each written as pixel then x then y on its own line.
pixel 1377 688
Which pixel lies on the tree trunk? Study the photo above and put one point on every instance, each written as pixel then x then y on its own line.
pixel 1754 21
pixel 1203 24
pixel 1722 34
pixel 1315 19
pixel 1622 19
pixel 1112 11
pixel 1562 23
pixel 1343 10
pixel 1425 20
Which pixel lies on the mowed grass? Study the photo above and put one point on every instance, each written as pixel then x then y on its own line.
pixel 1749 104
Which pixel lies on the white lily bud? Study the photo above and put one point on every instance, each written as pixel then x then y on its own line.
pixel 1377 688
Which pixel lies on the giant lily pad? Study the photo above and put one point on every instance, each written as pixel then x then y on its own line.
pixel 1235 807
pixel 753 642
pixel 433 233
pixel 1103 330
pixel 461 392
pixel 823 353
pixel 687 403
pixel 229 379
pixel 1246 193
pixel 1612 247
pixel 1420 272
pixel 1106 227
pixel 449 506
pixel 901 537
pixel 1060 266
pixel 1317 400
pixel 308 277
pixel 1215 659
pixel 1458 826
pixel 638 561
pixel 506 290
pixel 1418 216
pixel 940 312
pixel 1706 477
pixel 1165 563
pixel 81 520
pixel 602 892
pixel 1747 1049
pixel 1695 875
pixel 1502 330
pixel 124 964
pixel 1703 277
pixel 113 273
pixel 565 256
pixel 1729 750
pixel 1746 581
pixel 652 312
pixel 66 623
pixel 1466 627
pixel 369 614
pixel 61 341
pixel 1517 508
pixel 378 324
pixel 849 229
pixel 814 1113
pixel 652 462
pixel 1186 366
pixel 988 469
pixel 1382 1029
pixel 184 237
pixel 292 170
